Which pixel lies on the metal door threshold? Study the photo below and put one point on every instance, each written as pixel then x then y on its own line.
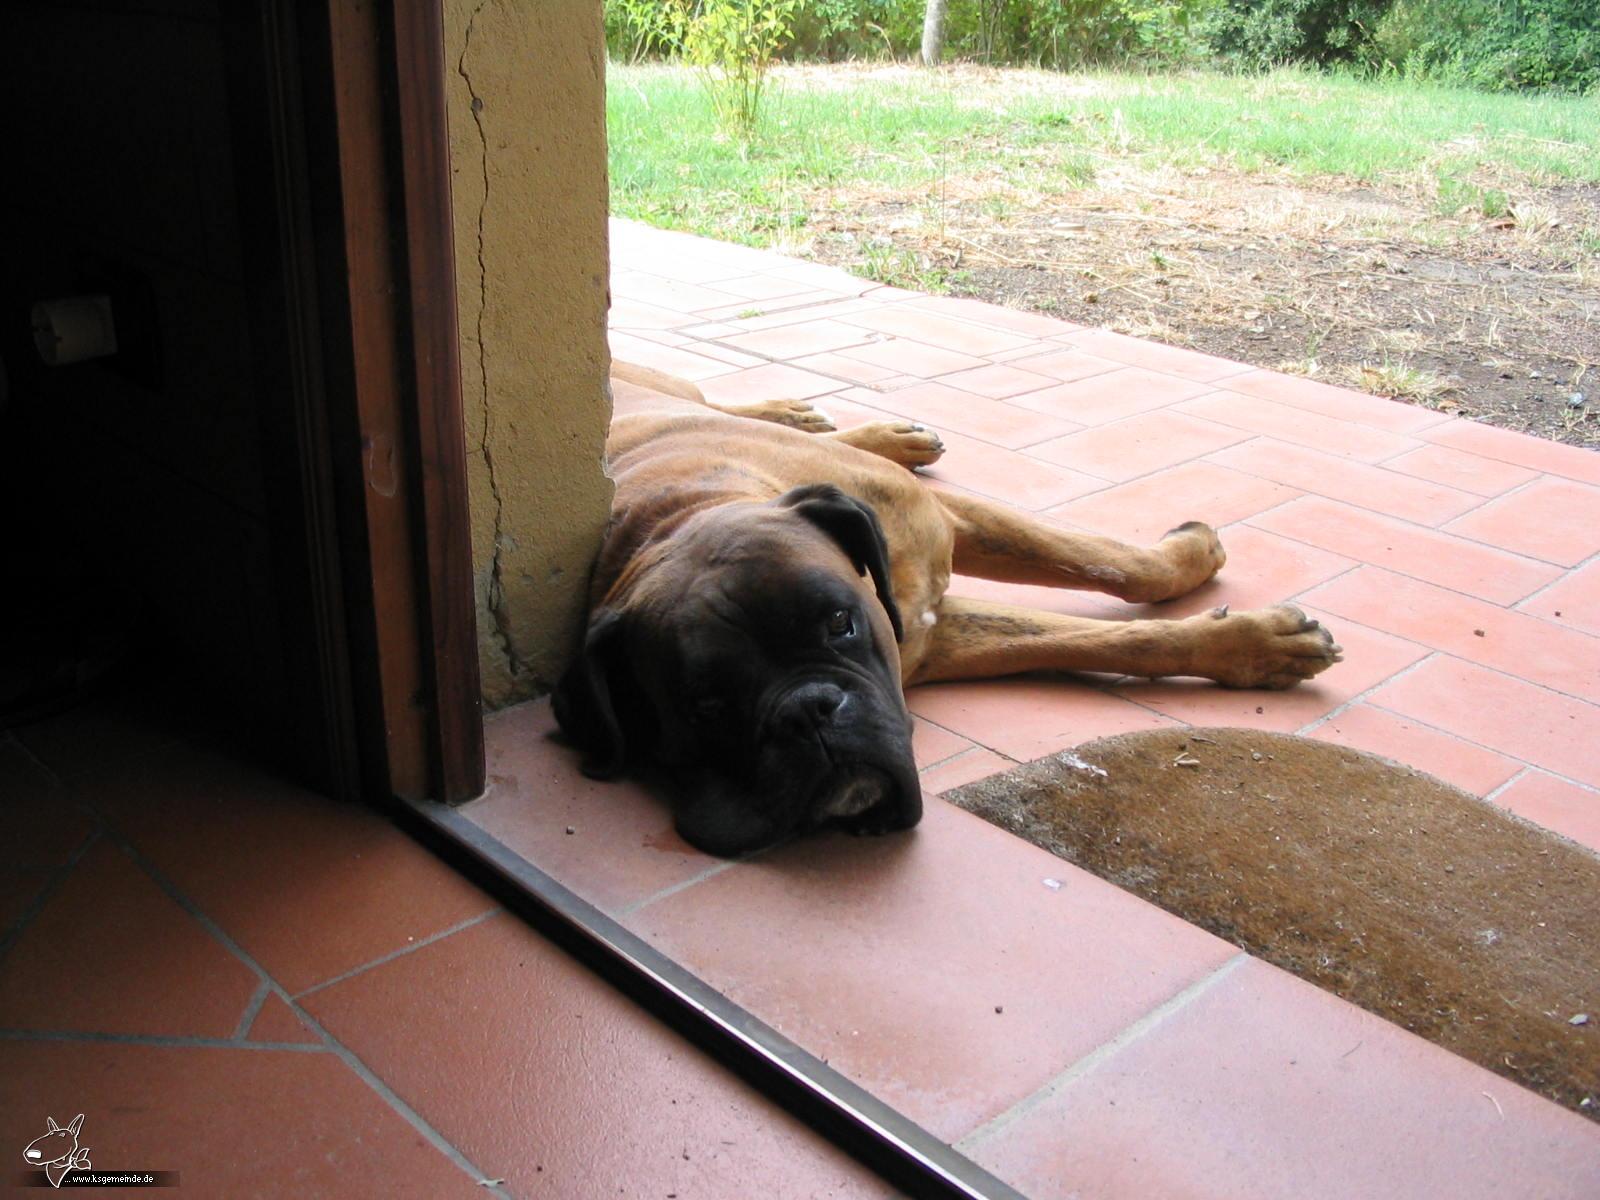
pixel 879 1136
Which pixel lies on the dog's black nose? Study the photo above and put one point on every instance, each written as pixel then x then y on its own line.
pixel 812 706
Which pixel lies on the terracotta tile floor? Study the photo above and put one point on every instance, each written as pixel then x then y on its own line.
pixel 275 995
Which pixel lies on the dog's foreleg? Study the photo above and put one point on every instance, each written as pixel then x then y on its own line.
pixel 1268 648
pixel 993 542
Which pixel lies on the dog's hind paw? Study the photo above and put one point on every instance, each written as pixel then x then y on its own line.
pixel 902 442
pixel 1272 648
pixel 796 414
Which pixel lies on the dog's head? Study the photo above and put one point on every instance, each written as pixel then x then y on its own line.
pixel 753 655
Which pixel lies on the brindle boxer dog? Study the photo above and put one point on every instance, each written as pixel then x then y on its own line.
pixel 768 587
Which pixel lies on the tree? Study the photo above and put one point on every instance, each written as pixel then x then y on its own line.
pixel 933 33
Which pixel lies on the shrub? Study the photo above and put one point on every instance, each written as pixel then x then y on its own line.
pixel 1259 34
pixel 734 43
pixel 1501 45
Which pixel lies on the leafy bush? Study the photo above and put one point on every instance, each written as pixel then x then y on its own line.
pixel 1501 45
pixel 1258 34
pixel 734 42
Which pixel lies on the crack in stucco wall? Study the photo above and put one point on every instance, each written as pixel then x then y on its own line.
pixel 495 599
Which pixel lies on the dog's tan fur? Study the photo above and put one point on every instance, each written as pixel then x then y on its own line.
pixel 672 453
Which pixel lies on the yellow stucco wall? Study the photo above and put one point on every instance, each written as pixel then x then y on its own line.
pixel 528 163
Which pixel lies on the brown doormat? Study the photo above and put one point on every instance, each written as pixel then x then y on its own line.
pixel 1381 884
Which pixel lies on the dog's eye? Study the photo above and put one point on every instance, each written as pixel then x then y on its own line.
pixel 841 623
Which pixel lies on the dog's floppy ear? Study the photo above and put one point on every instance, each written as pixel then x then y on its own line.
pixel 583 702
pixel 854 525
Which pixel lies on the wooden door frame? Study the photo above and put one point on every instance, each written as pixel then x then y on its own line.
pixel 355 123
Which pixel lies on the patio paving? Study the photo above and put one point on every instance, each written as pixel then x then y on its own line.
pixel 274 994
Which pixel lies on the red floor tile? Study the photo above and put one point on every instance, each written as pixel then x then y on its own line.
pixel 644 288
pixel 1426 554
pixel 1108 396
pixel 774 381
pixel 1006 476
pixel 1136 446
pixel 674 360
pixel 950 1003
pixel 1573 600
pixel 1342 403
pixel 621 848
pixel 1469 767
pixel 992 316
pixel 43 821
pixel 631 316
pixel 1503 713
pixel 998 381
pixel 1534 453
pixel 1353 482
pixel 546 1077
pixel 932 744
pixel 852 370
pixel 1027 718
pixel 1571 811
pixel 966 767
pixel 1065 365
pixel 1551 519
pixel 1170 360
pixel 800 339
pixel 1344 438
pixel 19 887
pixel 309 887
pixel 1458 469
pixel 230 1122
pixel 276 1022
pixel 1145 509
pixel 1530 647
pixel 1370 657
pixel 762 287
pixel 932 329
pixel 1265 1086
pixel 908 357
pixel 111 953
pixel 952 411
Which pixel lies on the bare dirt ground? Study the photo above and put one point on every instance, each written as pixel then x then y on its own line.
pixel 1493 317
pixel 1429 907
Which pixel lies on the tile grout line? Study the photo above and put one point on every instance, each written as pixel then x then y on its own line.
pixel 1359 697
pixel 1508 609
pixel 395 1102
pixel 1539 767
pixel 1146 1024
pixel 400 952
pixel 711 872
pixel 1539 591
pixel 155 1039
pixel 46 890
pixel 1493 795
pixel 1537 562
pixel 1547 471
pixel 1307 491
pixel 252 1010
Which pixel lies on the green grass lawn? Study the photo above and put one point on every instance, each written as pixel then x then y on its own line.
pixel 905 129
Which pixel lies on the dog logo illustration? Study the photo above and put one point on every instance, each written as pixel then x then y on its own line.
pixel 57 1150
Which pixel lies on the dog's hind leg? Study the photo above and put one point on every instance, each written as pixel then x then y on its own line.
pixel 797 414
pixel 1268 648
pixel 993 542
